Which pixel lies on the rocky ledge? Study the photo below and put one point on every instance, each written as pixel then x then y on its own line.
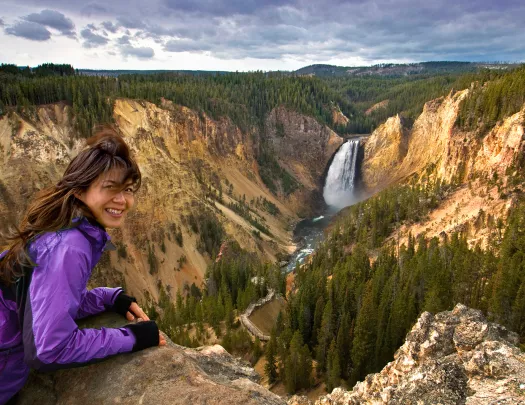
pixel 453 357
pixel 165 375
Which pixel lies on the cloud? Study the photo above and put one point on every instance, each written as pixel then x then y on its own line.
pixel 124 40
pixel 1 23
pixel 53 19
pixel 138 52
pixel 368 31
pixel 223 7
pixel 109 26
pixel 92 40
pixel 93 9
pixel 186 45
pixel 29 30
pixel 131 22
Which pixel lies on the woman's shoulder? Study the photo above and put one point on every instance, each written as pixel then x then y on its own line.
pixel 68 237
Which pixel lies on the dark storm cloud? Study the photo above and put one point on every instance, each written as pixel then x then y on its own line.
pixel 1 23
pixel 138 52
pixel 92 40
pixel 53 19
pixel 29 30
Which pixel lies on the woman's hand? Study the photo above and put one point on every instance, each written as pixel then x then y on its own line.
pixel 136 312
pixel 162 339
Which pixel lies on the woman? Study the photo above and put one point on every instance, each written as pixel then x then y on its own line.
pixel 44 272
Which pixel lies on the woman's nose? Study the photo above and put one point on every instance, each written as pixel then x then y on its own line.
pixel 119 197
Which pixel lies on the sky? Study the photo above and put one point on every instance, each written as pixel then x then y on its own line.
pixel 248 35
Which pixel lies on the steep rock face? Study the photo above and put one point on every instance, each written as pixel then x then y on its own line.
pixel 427 143
pixel 303 147
pixel 454 357
pixel 181 154
pixel 164 375
pixel 500 147
pixel 434 149
pixel 338 118
pixel 383 152
pixel 393 152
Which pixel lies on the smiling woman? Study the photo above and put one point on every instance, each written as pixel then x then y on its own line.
pixel 46 267
pixel 109 198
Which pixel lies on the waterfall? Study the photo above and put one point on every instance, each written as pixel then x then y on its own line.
pixel 340 180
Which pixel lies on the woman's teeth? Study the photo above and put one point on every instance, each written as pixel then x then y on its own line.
pixel 114 212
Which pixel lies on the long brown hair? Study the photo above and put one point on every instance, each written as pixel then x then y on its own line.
pixel 55 207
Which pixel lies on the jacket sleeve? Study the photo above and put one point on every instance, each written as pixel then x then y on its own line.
pixel 51 337
pixel 97 300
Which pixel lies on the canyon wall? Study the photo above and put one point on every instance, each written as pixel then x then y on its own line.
pixel 480 167
pixel 187 161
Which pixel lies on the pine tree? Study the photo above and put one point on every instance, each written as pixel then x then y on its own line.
pixel 270 368
pixel 333 376
pixel 365 337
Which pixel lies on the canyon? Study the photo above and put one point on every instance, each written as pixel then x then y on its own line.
pixel 188 159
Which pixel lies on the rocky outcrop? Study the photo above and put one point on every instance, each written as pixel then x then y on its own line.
pixel 303 147
pixel 165 375
pixel 500 147
pixel 377 106
pixel 338 118
pixel 454 357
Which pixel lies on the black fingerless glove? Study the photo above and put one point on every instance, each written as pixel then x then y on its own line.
pixel 122 303
pixel 146 334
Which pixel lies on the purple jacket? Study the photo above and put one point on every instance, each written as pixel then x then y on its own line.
pixel 56 297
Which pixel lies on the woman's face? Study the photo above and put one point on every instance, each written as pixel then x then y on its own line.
pixel 109 199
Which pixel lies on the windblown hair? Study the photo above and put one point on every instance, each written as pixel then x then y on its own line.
pixel 55 207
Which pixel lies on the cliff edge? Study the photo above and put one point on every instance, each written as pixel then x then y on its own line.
pixel 163 375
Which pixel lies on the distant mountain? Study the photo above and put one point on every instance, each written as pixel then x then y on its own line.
pixel 392 69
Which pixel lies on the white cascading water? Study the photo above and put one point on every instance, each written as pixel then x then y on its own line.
pixel 339 185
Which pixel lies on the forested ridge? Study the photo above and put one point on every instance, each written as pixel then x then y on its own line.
pixel 247 98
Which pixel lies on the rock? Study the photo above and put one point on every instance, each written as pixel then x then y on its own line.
pixel 164 375
pixel 384 150
pixel 454 357
pixel 299 400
